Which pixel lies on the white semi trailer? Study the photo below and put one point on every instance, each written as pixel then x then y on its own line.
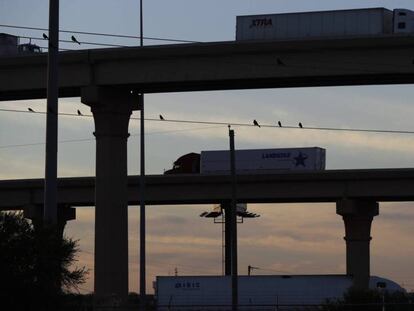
pixel 263 161
pixel 261 292
pixel 338 23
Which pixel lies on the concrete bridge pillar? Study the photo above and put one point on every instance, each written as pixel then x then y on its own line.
pixel 47 239
pixel 111 110
pixel 358 216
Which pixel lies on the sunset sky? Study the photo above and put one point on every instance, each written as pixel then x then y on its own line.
pixel 287 238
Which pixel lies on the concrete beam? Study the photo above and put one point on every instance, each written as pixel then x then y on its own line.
pixel 35 214
pixel 324 186
pixel 217 66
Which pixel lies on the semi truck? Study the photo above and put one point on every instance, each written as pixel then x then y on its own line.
pixel 10 46
pixel 251 161
pixel 324 24
pixel 258 292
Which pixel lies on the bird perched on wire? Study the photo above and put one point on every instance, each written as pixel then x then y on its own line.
pixel 279 123
pixel 79 113
pixel 75 40
pixel 30 109
pixel 255 123
pixel 161 117
pixel 45 36
pixel 280 62
pixel 300 125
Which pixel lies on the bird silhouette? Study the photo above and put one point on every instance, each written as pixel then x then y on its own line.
pixel 75 40
pixel 255 123
pixel 79 113
pixel 30 109
pixel 45 36
pixel 161 117
pixel 279 62
pixel 279 123
pixel 300 125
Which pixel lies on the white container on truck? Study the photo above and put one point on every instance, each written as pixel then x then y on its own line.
pixel 338 23
pixel 263 161
pixel 264 292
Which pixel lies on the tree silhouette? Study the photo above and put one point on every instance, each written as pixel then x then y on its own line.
pixel 35 265
pixel 371 300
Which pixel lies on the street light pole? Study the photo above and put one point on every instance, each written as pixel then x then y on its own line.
pixel 50 192
pixel 234 274
pixel 142 265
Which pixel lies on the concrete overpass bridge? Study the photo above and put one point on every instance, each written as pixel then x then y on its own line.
pixel 355 192
pixel 379 185
pixel 217 66
pixel 104 79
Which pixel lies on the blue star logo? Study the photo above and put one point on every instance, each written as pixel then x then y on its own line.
pixel 300 159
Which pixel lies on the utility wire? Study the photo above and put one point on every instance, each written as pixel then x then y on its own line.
pixel 238 124
pixel 273 270
pixel 81 42
pixel 93 139
pixel 60 49
pixel 101 34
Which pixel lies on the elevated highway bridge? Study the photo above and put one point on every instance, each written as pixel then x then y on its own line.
pixel 380 185
pixel 355 192
pixel 217 66
pixel 104 79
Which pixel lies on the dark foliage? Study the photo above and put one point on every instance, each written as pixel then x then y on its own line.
pixel 35 265
pixel 372 300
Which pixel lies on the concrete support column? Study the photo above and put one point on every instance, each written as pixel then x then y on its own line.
pixel 47 241
pixel 111 110
pixel 358 216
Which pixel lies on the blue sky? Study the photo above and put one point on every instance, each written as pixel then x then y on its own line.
pixel 297 238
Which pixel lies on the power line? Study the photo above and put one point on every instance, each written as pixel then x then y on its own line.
pixel 273 270
pixel 42 143
pixel 60 49
pixel 101 34
pixel 313 128
pixel 81 42
pixel 93 139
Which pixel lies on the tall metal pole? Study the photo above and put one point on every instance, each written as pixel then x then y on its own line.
pixel 227 250
pixel 142 213
pixel 142 265
pixel 234 274
pixel 141 22
pixel 50 192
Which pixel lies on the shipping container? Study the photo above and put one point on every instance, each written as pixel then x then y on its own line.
pixel 338 23
pixel 264 292
pixel 263 161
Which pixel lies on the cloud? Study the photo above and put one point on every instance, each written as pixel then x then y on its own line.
pixel 290 238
